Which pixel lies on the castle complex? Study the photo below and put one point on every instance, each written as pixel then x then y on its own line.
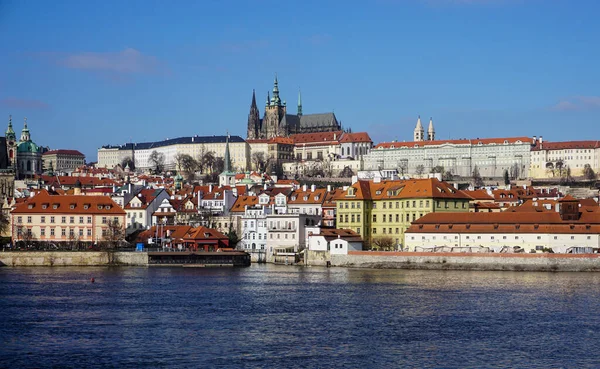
pixel 276 121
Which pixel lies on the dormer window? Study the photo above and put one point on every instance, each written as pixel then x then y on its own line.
pixel 99 207
pixel 30 206
pixel 72 206
pixel 107 207
pixel 86 206
pixel 44 206
pixel 55 206
pixel 305 198
pixel 378 192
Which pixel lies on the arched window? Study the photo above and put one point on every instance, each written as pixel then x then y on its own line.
pixel 29 165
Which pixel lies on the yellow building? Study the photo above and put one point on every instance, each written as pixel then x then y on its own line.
pixel 555 159
pixel 387 208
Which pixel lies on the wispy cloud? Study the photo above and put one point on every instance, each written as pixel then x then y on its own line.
pixel 27 104
pixel 238 47
pixel 577 103
pixel 117 65
pixel 318 39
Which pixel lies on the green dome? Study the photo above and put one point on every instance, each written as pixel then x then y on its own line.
pixel 28 146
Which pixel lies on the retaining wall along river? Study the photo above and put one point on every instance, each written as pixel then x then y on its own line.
pixel 460 261
pixel 72 258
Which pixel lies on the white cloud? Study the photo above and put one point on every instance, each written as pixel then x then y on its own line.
pixel 577 103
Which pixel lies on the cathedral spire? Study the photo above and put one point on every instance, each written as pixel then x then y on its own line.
pixel 25 135
pixel 10 131
pixel 430 131
pixel 299 103
pixel 227 158
pixel 253 119
pixel 276 100
pixel 419 131
pixel 268 99
pixel 253 99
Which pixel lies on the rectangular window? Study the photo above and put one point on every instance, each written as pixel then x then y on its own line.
pixel 81 233
pixel 358 205
pixel 374 230
pixel 29 219
pixel 384 205
pixel 358 230
pixel 42 219
pixel 51 231
pixel 63 232
pixel 104 220
pixel 51 219
pixel 19 219
pixel 352 218
pixel 80 220
pixel 374 217
pixel 358 218
pixel 43 232
pixel 89 220
pixel 71 219
pixel 89 232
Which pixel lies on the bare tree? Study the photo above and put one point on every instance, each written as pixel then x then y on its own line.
pixel 258 161
pixel 419 170
pixel 560 165
pixel 437 169
pixel 588 172
pixel 515 171
pixel 346 172
pixel 114 234
pixel 208 161
pixel 403 166
pixel 157 160
pixel 477 180
pixel 550 168
pixel 4 223
pixel 384 243
pixel 128 161
pixel 187 165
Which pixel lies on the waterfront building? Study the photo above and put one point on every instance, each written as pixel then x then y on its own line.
pixel 570 226
pixel 385 209
pixel 142 206
pixel 65 218
pixel 554 159
pixel 286 235
pixel 184 237
pixel 196 146
pixel 62 160
pixel 253 219
pixel 277 122
pixel 334 241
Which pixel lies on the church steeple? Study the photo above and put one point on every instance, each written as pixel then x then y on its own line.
pixel 419 131
pixel 227 158
pixel 430 131
pixel 268 99
pixel 253 119
pixel 276 100
pixel 299 103
pixel 25 135
pixel 10 133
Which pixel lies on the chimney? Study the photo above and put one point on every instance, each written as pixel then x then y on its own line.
pixel 265 187
pixel 534 140
pixel 328 188
pixel 210 188
pixel 313 188
pixel 304 188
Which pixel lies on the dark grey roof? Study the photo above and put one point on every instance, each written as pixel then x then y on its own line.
pixel 318 120
pixel 174 141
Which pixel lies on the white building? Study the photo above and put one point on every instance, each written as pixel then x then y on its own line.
pixel 286 234
pixel 334 241
pixel 141 207
pixel 570 227
pixel 551 159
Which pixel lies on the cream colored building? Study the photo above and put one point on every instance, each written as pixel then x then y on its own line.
pixel 547 156
pixel 62 160
pixel 196 147
pixel 568 228
pixel 65 218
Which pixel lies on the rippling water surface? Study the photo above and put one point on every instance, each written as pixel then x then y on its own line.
pixel 281 316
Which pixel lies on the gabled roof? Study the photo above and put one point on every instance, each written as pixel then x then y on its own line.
pixel 299 197
pixel 44 203
pixel 331 234
pixel 403 189
pixel 317 138
pixel 239 206
pixel 356 137
pixel 63 152
pixel 566 145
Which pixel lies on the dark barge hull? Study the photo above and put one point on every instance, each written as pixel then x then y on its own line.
pixel 199 259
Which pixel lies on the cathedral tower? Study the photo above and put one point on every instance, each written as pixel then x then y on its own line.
pixel 419 131
pixel 11 143
pixel 430 131
pixel 253 120
pixel 274 113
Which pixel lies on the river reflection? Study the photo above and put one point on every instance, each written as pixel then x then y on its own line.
pixel 282 316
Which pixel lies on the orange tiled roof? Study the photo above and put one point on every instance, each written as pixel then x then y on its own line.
pixel 356 137
pixel 299 197
pixel 239 206
pixel 565 145
pixel 44 203
pixel 327 138
pixel 403 189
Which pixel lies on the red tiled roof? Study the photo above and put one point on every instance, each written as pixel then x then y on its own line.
pixel 44 203
pixel 472 141
pixel 239 206
pixel 402 189
pixel 356 137
pixel 327 138
pixel 565 145
pixel 63 152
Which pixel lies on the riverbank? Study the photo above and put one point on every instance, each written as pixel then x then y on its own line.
pixel 459 261
pixel 72 258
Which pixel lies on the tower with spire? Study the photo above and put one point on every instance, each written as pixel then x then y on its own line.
pixel 419 134
pixel 277 122
pixel 227 177
pixel 11 143
pixel 254 121
pixel 430 131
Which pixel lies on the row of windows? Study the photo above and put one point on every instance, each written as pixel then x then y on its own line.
pixel 491 237
pixel 64 219
pixel 63 232
pixel 279 234
pixel 386 230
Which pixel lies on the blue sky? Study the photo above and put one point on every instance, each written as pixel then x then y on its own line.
pixel 90 73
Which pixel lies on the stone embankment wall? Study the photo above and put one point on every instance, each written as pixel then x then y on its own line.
pixel 464 261
pixel 62 258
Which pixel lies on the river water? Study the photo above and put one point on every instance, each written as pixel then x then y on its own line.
pixel 283 316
